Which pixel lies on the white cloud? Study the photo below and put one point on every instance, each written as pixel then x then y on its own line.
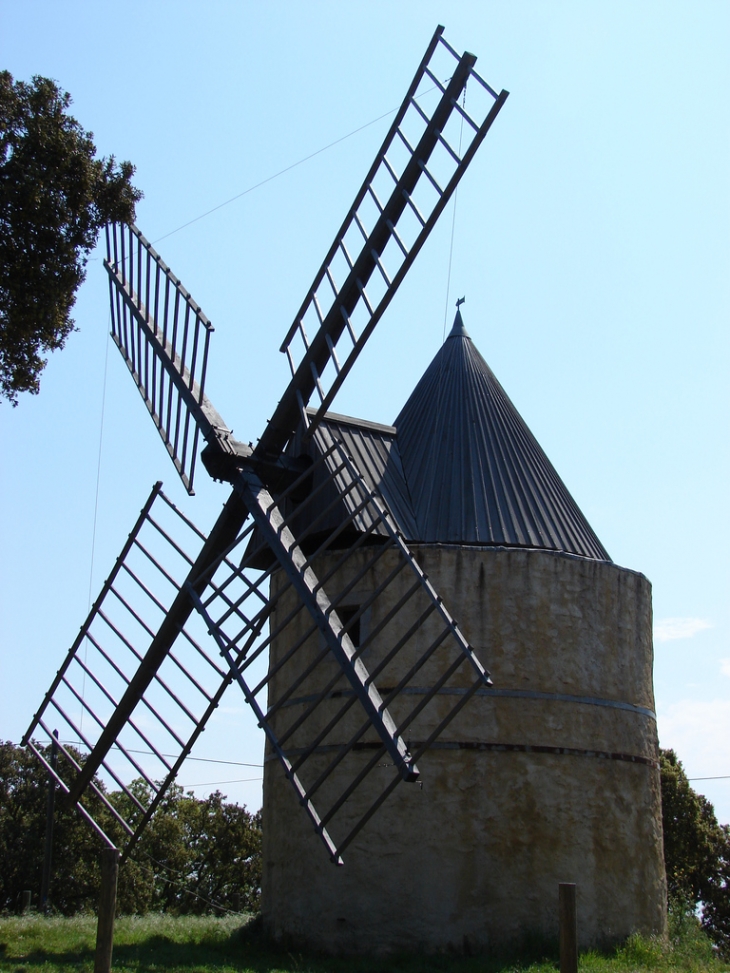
pixel 725 667
pixel 668 629
pixel 699 732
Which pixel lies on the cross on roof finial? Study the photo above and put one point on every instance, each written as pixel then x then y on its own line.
pixel 460 301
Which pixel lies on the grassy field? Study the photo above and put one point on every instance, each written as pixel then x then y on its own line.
pixel 165 944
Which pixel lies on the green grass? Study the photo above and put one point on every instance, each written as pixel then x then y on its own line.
pixel 191 944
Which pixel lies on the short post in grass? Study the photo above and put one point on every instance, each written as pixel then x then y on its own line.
pixel 107 910
pixel 568 928
pixel 25 901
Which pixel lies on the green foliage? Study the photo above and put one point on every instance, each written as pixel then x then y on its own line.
pixel 193 854
pixel 193 857
pixel 716 910
pixel 55 196
pixel 23 803
pixel 687 938
pixel 696 852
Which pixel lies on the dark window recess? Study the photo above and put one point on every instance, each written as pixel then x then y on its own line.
pixel 346 615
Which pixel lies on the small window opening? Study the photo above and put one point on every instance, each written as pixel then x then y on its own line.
pixel 346 616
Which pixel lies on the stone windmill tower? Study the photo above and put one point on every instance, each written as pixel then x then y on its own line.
pixel 550 775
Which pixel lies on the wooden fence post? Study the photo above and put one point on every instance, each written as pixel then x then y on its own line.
pixel 107 910
pixel 568 928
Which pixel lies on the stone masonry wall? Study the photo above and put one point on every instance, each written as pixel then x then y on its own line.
pixel 549 777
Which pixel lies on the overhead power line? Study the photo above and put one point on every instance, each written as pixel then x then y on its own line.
pixel 174 756
pixel 288 168
pixel 202 760
pixel 239 763
pixel 276 175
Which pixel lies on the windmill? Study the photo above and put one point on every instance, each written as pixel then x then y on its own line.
pixel 139 673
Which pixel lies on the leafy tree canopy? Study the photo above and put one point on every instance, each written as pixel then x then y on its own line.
pixel 194 856
pixel 696 851
pixel 55 196
pixel 23 800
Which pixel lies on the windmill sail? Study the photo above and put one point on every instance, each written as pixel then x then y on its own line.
pixel 424 155
pixel 163 336
pixel 125 713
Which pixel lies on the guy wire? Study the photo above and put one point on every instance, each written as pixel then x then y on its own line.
pixel 96 511
pixel 453 228
pixel 439 397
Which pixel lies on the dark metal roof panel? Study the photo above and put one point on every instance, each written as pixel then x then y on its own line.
pixel 374 451
pixel 330 503
pixel 475 471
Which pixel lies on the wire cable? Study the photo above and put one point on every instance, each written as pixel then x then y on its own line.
pixel 239 763
pixel 203 760
pixel 276 175
pixel 180 885
pixel 294 165
pixel 150 753
pixel 98 468
pixel 96 512
pixel 453 228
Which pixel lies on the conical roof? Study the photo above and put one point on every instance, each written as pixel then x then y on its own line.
pixel 475 472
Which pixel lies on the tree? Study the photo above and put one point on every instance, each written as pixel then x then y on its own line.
pixel 23 796
pixel 55 196
pixel 224 847
pixel 193 856
pixel 696 851
pixel 716 909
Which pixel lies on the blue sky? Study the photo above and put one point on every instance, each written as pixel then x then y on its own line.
pixel 592 242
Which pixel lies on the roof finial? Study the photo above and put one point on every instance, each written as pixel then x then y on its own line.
pixel 458 330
